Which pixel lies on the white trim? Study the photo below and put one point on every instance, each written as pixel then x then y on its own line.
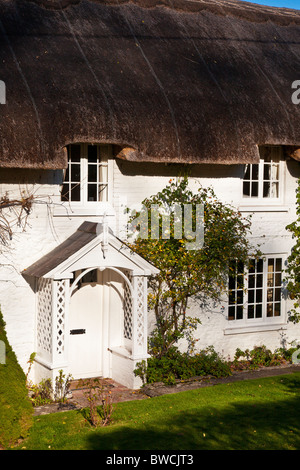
pixel 254 328
pixel 85 207
pixel 137 264
pixel 253 203
pixel 263 208
pixel 112 268
pixel 264 322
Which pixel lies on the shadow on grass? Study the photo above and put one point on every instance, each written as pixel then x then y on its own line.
pixel 263 426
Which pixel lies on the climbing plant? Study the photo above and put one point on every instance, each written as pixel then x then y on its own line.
pixel 293 263
pixel 188 268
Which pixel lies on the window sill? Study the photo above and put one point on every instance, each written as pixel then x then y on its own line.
pixel 92 209
pixel 263 208
pixel 122 351
pixel 235 330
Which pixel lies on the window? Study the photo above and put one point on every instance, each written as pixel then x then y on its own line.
pixel 256 293
pixel 263 180
pixel 86 178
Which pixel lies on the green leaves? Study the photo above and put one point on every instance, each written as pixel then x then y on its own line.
pixel 184 272
pixel 293 267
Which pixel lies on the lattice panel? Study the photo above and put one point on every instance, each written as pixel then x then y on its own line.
pixel 127 306
pixel 140 293
pixel 60 315
pixel 44 316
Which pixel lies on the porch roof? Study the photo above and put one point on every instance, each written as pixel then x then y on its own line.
pixel 173 82
pixel 83 249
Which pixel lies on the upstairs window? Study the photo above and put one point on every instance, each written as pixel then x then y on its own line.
pixel 87 176
pixel 255 294
pixel 263 181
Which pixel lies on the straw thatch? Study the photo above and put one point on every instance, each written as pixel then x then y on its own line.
pixel 166 81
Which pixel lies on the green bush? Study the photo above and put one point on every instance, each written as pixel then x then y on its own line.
pixel 16 410
pixel 182 366
pixel 261 356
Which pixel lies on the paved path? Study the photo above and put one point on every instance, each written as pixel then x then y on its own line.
pixel 121 393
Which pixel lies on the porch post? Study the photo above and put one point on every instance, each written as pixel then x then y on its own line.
pixel 60 323
pixel 139 318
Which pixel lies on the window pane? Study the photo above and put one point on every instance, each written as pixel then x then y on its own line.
pixel 103 173
pixel 247 172
pixel 278 279
pixel 254 189
pixel 92 192
pixel 260 265
pixel 65 193
pixel 231 313
pixel 252 266
pixel 92 173
pixel 277 310
pixel 92 153
pixel 275 171
pixel 255 172
pixel 103 192
pixel 75 153
pixel 251 296
pixel 270 295
pixel 267 172
pixel 231 296
pixel 67 174
pixel 251 281
pixel 259 280
pixel 250 311
pixel 269 310
pixel 259 296
pixel 266 190
pixel 278 264
pixel 239 312
pixel 75 172
pixel 75 192
pixel 240 282
pixel 258 312
pixel 274 190
pixel 231 282
pixel 246 188
pixel 277 294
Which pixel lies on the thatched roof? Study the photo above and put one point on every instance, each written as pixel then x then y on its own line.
pixel 167 81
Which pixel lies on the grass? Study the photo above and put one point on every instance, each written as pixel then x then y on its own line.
pixel 260 414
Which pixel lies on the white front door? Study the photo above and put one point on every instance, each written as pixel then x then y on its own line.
pixel 85 341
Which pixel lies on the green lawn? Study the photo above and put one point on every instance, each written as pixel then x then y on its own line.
pixel 254 414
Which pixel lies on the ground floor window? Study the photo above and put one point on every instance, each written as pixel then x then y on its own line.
pixel 255 293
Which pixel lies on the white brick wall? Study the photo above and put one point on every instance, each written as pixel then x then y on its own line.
pixel 132 182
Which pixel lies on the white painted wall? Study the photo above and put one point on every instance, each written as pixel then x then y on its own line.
pixel 132 182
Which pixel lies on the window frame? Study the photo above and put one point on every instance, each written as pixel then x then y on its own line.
pixel 84 206
pixel 264 320
pixel 261 200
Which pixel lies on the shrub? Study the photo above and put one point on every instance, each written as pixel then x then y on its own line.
pixel 16 411
pixel 261 356
pixel 95 391
pixel 182 366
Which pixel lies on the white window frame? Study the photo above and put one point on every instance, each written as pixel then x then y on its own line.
pixel 84 206
pixel 264 320
pixel 260 199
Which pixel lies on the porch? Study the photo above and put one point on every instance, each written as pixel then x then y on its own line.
pixel 91 315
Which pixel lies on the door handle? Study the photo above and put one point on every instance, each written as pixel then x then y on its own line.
pixel 77 332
